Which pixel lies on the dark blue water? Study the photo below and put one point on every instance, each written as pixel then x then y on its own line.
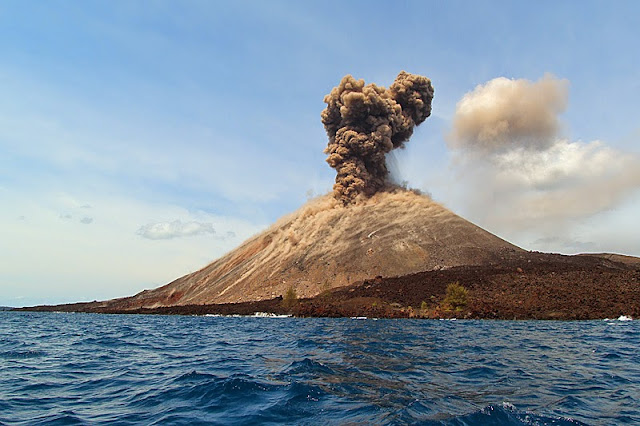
pixel 131 369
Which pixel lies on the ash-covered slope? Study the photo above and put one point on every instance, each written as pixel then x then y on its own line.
pixel 326 244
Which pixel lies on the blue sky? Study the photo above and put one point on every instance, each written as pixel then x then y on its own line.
pixel 140 140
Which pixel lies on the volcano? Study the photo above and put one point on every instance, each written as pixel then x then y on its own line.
pixel 325 245
pixel 377 249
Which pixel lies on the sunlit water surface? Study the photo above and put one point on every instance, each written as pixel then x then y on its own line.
pixel 129 369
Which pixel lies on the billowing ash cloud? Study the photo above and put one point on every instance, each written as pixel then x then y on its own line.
pixel 504 113
pixel 520 172
pixel 364 122
pixel 175 229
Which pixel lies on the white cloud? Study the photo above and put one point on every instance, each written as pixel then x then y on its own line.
pixel 567 181
pixel 175 229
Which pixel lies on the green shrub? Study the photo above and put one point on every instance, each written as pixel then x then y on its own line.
pixel 423 306
pixel 456 296
pixel 290 299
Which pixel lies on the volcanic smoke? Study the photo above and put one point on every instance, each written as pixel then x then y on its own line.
pixel 365 122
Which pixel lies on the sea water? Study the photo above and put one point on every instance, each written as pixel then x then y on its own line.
pixel 61 368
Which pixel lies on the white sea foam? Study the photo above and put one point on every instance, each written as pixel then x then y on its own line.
pixel 254 315
pixel 508 406
pixel 620 318
pixel 269 315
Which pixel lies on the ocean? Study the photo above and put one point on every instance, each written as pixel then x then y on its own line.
pixel 67 369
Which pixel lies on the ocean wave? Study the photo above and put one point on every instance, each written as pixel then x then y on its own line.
pixel 22 354
pixel 506 414
pixel 89 369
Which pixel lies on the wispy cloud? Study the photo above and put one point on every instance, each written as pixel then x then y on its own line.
pixel 175 229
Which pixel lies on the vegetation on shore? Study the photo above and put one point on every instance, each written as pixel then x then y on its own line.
pixel 290 300
pixel 456 297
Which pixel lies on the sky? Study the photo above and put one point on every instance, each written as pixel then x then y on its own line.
pixel 140 140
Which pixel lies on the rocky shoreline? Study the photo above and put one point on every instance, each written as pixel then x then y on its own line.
pixel 537 286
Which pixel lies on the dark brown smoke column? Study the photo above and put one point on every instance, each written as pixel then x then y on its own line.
pixel 366 122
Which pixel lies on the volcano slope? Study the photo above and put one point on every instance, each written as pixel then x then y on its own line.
pixel 325 245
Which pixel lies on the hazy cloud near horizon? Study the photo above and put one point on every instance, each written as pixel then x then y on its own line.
pixel 567 243
pixel 520 172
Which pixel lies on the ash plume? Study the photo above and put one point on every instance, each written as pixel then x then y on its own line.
pixel 506 138
pixel 505 114
pixel 365 122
